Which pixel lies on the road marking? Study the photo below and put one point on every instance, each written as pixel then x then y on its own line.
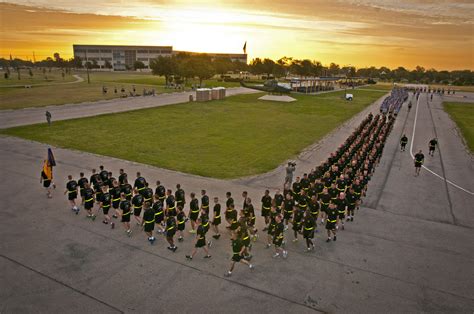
pixel 426 168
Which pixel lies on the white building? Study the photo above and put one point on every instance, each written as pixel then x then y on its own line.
pixel 121 58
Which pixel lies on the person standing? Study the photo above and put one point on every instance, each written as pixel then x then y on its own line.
pixel 71 191
pixel 48 117
pixel 290 169
pixel 193 212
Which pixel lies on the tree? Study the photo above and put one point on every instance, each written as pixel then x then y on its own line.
pixel 223 65
pixel 334 69
pixel 268 67
pixel 107 64
pixel 164 66
pixel 138 65
pixel 201 67
pixel 76 62
pixel 30 72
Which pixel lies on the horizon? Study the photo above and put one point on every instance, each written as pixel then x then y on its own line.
pixel 347 32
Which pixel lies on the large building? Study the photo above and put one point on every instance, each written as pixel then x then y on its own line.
pixel 121 58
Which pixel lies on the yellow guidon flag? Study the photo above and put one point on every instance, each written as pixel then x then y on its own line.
pixel 47 171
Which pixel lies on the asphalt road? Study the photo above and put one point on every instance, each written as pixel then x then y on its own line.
pixel 408 250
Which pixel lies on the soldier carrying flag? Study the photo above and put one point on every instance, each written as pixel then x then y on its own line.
pixel 47 173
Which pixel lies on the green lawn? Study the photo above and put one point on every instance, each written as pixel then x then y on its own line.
pixel 58 94
pixel 40 96
pixel 235 137
pixel 463 115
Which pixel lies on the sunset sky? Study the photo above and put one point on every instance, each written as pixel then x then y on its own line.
pixel 429 33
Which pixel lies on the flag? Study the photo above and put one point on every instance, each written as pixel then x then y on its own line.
pixel 51 160
pixel 245 47
pixel 47 171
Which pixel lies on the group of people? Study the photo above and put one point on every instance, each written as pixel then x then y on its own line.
pixel 331 192
pixel 419 157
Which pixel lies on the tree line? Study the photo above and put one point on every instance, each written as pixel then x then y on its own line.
pixel 183 66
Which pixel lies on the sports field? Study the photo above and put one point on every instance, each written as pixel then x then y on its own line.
pixel 463 115
pixel 235 137
pixel 53 92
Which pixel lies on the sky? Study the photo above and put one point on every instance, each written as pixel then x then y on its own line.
pixel 429 33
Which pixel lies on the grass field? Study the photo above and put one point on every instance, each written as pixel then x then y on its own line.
pixel 463 115
pixel 235 137
pixel 58 94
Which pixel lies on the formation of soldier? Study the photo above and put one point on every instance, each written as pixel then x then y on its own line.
pixel 331 193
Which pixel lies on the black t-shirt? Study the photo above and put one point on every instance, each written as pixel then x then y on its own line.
pixel 289 204
pixel 139 183
pixel 82 182
pixel 179 196
pixel 205 201
pixel 137 200
pixel 332 213
pixel 149 214
pixel 71 186
pixel 217 210
pixel 351 198
pixel 194 205
pixel 279 227
pixel 104 175
pixel 160 191
pixel 158 207
pixel 230 201
pixel 296 187
pixel 122 178
pixel 278 200
pixel 433 142
pixel 341 204
pixel 94 179
pixel 266 201
pixel 170 223
pixel 105 199
pixel 236 246
pixel 125 206
pixel 325 198
pixel 115 193
pixel 419 157
pixel 88 194
pixel 148 193
pixel 127 189
pixel 170 201
pixel 200 232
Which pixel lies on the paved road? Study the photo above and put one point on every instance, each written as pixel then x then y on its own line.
pixel 403 253
pixel 11 118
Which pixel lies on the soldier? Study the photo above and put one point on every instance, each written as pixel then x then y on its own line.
pixel 160 191
pixel 332 215
pixel 170 232
pixel 105 201
pixel 217 218
pixel 341 204
pixel 159 214
pixel 137 202
pixel 237 254
pixel 89 201
pixel 149 221
pixel 81 182
pixel 266 205
pixel 204 202
pixel 419 159
pixel 309 225
pixel 278 238
pixel 403 142
pixel 432 145
pixel 193 212
pixel 71 191
pixel 122 177
pixel 200 241
pixel 179 195
pixel 125 208
pixel 139 183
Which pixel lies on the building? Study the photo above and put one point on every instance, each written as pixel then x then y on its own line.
pixel 121 58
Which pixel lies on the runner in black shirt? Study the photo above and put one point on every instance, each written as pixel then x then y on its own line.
pixel 81 182
pixel 115 194
pixel 139 183
pixel 217 218
pixel 200 241
pixel 127 189
pixel 432 146
pixel 160 191
pixel 179 196
pixel 125 208
pixel 149 221
pixel 122 177
pixel 71 191
pixel 419 159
